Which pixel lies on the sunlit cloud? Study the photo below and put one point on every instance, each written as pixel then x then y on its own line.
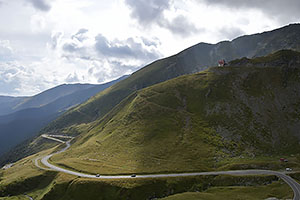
pixel 44 43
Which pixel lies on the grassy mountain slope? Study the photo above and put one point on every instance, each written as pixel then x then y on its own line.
pixel 272 191
pixel 191 60
pixel 199 122
pixel 211 120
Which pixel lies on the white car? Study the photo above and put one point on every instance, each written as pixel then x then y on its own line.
pixel 288 169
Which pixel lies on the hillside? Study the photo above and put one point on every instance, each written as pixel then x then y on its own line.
pixel 25 123
pixel 222 118
pixel 191 60
pixel 8 103
pixel 14 104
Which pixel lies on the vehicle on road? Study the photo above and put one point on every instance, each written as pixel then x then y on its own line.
pixel 97 175
pixel 133 175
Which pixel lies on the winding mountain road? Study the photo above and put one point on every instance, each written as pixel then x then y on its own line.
pixel 290 181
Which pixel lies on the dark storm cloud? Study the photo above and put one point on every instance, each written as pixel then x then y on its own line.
pixel 283 10
pixel 42 5
pixel 149 12
pixel 123 49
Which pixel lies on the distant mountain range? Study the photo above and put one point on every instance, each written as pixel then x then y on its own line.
pixel 22 117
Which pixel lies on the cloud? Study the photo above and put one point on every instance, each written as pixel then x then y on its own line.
pixel 42 5
pixel 154 42
pixel 281 10
pixel 70 47
pixel 99 59
pixel 115 70
pixel 180 25
pixel 231 32
pixel 6 51
pixel 80 35
pixel 149 12
pixel 72 78
pixel 38 23
pixel 76 44
pixel 55 39
pixel 16 78
pixel 129 49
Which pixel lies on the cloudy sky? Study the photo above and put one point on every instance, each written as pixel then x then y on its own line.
pixel 44 43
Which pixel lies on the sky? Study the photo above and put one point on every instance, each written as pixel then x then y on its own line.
pixel 45 43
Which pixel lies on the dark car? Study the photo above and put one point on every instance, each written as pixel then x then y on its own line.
pixel 133 175
pixel 97 175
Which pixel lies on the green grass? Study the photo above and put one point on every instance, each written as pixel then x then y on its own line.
pixel 277 190
pixel 282 55
pixel 25 178
pixel 137 189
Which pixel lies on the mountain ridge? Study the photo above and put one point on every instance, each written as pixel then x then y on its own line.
pixel 194 59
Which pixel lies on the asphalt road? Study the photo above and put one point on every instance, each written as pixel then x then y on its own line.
pixel 291 182
pixel 29 197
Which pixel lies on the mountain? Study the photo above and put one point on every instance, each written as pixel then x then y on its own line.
pixel 238 116
pixel 241 116
pixel 14 104
pixel 8 103
pixel 194 59
pixel 51 95
pixel 39 110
